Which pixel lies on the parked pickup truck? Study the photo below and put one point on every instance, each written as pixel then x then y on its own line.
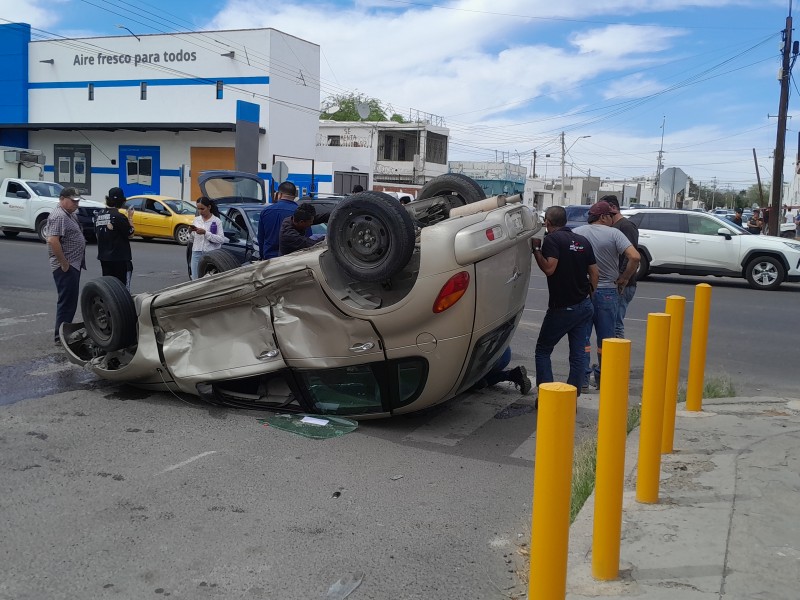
pixel 25 205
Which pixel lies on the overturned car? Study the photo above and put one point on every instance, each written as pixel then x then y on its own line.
pixel 403 308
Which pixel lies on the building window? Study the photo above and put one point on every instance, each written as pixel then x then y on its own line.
pixel 401 149
pixel 334 140
pixel 388 142
pixel 91 91
pixel 143 91
pixel 219 90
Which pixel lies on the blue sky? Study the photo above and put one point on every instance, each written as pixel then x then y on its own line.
pixel 508 76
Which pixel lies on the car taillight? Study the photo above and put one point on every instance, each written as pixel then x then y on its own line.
pixel 451 292
pixel 493 233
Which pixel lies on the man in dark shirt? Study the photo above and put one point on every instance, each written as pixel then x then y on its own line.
pixel 568 261
pixel 113 230
pixel 631 231
pixel 294 230
pixel 269 223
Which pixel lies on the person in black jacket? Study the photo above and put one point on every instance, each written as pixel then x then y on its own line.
pixel 113 230
pixel 294 230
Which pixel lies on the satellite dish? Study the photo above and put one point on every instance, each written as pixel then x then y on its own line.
pixel 362 108
pixel 330 109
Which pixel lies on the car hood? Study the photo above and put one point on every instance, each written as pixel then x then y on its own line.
pixel 768 241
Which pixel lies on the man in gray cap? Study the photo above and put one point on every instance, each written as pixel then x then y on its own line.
pixel 609 245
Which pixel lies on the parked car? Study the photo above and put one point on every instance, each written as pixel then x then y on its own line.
pixel 577 215
pixel 162 217
pixel 688 243
pixel 403 308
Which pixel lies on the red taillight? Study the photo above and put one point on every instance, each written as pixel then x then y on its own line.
pixel 493 233
pixel 451 292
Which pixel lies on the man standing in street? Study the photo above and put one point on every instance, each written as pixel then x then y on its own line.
pixel 113 230
pixel 67 250
pixel 630 231
pixel 569 264
pixel 269 223
pixel 737 216
pixel 609 245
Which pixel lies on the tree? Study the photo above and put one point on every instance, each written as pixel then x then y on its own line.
pixel 348 108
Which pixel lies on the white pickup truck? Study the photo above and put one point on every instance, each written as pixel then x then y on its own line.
pixel 25 205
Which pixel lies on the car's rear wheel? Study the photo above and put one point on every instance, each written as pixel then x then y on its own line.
pixel 109 314
pixel 371 236
pixel 183 235
pixel 644 266
pixel 10 234
pixel 217 261
pixel 764 273
pixel 459 189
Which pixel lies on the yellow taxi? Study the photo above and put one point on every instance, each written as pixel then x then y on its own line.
pixel 162 217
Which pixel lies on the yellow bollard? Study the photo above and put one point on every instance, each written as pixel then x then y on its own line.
pixel 655 373
pixel 552 488
pixel 697 352
pixel 610 472
pixel 676 307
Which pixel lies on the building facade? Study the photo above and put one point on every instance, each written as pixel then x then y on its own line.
pixel 148 113
pixel 495 178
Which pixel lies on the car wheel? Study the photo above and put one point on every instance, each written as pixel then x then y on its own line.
pixel 462 189
pixel 10 234
pixel 371 236
pixel 183 235
pixel 41 229
pixel 109 314
pixel 764 273
pixel 644 266
pixel 216 261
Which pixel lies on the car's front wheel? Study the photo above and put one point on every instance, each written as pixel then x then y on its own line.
pixel 217 261
pixel 41 229
pixel 109 314
pixel 183 235
pixel 764 273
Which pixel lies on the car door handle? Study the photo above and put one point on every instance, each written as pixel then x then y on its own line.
pixel 4 202
pixel 358 348
pixel 692 241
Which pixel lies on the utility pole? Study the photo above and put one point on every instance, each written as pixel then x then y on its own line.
pixel 714 192
pixel 758 178
pixel 789 52
pixel 533 167
pixel 563 153
pixel 660 154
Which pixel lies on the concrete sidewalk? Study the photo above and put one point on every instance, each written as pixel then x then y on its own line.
pixel 727 524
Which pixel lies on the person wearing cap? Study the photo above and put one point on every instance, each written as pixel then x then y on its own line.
pixel 568 261
pixel 609 244
pixel 271 219
pixel 631 231
pixel 737 217
pixel 113 230
pixel 66 248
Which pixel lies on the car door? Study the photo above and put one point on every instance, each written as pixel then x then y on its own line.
pixel 13 208
pixel 663 236
pixel 136 205
pixel 707 252
pixel 156 219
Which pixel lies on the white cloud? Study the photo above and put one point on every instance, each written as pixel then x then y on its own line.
pixel 39 14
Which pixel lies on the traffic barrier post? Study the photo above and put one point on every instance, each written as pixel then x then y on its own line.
pixel 676 308
pixel 552 488
pixel 697 351
pixel 612 431
pixel 655 373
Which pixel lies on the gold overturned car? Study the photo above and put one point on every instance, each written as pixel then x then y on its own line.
pixel 404 307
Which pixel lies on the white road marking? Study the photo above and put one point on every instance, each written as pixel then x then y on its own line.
pixel 527 449
pixel 21 319
pixel 187 461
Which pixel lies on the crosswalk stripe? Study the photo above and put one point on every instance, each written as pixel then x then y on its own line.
pixel 462 418
pixel 527 449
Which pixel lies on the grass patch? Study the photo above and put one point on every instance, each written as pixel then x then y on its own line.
pixel 719 386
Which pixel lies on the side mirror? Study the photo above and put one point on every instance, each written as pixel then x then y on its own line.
pixel 23 194
pixel 725 232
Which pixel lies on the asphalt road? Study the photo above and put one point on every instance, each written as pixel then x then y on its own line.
pixel 115 492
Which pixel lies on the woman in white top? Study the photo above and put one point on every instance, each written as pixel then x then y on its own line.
pixel 207 232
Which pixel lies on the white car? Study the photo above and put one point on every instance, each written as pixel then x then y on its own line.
pixel 692 243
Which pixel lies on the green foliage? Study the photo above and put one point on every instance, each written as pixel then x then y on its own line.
pixel 714 387
pixel 348 110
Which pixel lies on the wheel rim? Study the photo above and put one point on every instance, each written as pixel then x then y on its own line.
pixel 368 240
pixel 100 318
pixel 765 273
pixel 210 270
pixel 183 235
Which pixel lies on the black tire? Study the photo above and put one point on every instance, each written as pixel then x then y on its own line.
pixel 10 234
pixel 644 266
pixel 41 226
pixel 109 314
pixel 764 273
pixel 462 189
pixel 216 261
pixel 183 235
pixel 371 236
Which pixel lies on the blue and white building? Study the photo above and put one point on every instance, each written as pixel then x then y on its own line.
pixel 148 113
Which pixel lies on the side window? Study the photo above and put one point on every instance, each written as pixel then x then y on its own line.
pixel 12 189
pixel 637 220
pixel 152 206
pixel 662 222
pixel 136 204
pixel 702 225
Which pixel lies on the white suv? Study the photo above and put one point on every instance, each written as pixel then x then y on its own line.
pixel 692 243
